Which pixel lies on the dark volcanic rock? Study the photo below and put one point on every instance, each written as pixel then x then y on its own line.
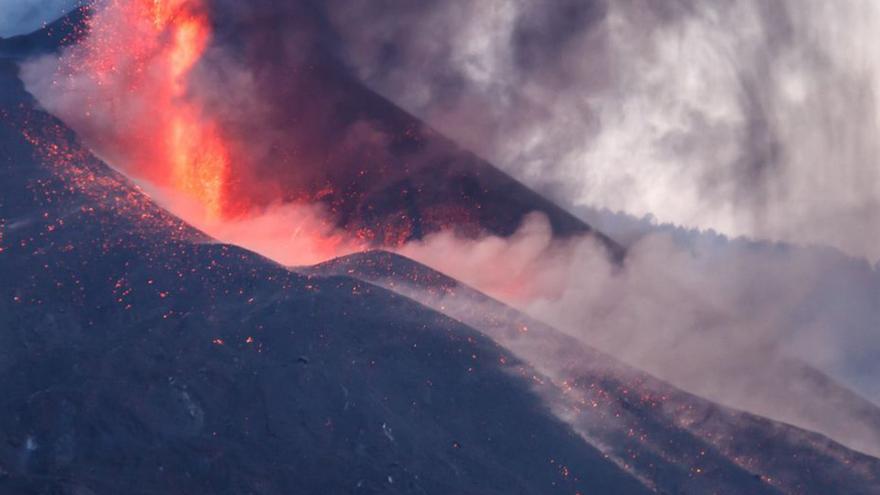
pixel 675 441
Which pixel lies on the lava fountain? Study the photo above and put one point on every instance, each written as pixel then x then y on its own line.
pixel 135 91
pixel 131 90
pixel 125 88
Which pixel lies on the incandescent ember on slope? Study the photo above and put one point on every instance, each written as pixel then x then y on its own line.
pixel 132 89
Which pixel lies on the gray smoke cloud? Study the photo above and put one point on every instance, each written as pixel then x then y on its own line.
pixel 748 117
pixel 24 16
pixel 756 326
pixel 743 117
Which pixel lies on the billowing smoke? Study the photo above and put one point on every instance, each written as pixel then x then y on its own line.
pixel 749 117
pixel 741 323
pixel 237 110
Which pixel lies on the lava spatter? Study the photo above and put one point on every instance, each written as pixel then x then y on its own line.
pixel 132 75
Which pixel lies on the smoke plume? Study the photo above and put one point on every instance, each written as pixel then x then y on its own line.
pixel 740 323
pixel 752 118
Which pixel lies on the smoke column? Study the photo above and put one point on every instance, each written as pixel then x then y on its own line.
pixel 748 117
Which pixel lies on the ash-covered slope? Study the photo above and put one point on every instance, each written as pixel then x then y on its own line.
pixel 674 441
pixel 135 358
pixel 790 390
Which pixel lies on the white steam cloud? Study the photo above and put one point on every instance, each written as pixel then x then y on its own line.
pixel 748 117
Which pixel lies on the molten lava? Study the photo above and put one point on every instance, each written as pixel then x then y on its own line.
pixel 136 66
pixel 133 91
pixel 199 158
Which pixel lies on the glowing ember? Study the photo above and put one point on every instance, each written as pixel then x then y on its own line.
pixel 132 90
pixel 200 161
pixel 135 68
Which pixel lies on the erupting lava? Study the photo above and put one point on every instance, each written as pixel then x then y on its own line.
pixel 132 90
pixel 135 66
pixel 199 159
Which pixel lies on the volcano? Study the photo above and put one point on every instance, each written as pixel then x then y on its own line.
pixel 140 356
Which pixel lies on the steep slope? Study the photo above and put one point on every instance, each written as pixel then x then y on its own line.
pixel 788 390
pixel 675 442
pixel 135 358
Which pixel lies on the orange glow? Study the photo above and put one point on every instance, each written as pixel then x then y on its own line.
pixel 198 155
pixel 132 91
pixel 200 163
pixel 140 55
pixel 136 90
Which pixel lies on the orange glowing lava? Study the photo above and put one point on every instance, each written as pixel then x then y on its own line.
pixel 140 55
pixel 135 89
pixel 199 158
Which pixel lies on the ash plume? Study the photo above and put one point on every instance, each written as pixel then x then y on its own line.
pixel 752 118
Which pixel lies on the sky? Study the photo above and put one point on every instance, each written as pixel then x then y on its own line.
pixel 24 16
